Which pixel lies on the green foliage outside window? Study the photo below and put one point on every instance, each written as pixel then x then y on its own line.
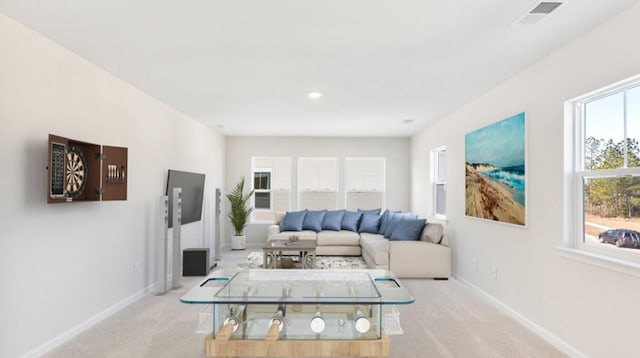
pixel 612 197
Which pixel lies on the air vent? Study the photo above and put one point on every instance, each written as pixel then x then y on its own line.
pixel 538 13
pixel 545 8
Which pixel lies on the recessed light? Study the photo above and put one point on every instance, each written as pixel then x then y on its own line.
pixel 314 95
pixel 407 121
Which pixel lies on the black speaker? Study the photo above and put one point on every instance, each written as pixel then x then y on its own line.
pixel 195 262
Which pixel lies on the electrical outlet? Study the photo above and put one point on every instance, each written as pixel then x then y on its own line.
pixel 494 273
pixel 475 263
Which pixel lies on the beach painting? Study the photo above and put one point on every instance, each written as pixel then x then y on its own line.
pixel 495 172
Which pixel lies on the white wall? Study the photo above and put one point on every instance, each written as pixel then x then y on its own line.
pixel 241 149
pixel 587 307
pixel 63 265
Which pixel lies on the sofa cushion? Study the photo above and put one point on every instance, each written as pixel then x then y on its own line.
pixel 369 223
pixel 432 233
pixel 366 236
pixel 338 238
pixel 293 220
pixel 408 229
pixel 313 220
pixel 376 247
pixel 351 220
pixel 395 219
pixel 384 220
pixel 333 220
pixel 370 211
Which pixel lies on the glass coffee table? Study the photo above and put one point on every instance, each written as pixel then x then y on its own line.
pixel 299 313
pixel 274 251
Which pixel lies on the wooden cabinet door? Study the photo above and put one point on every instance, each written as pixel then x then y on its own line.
pixel 56 192
pixel 115 173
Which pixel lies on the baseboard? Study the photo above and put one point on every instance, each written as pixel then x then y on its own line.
pixel 66 336
pixel 552 339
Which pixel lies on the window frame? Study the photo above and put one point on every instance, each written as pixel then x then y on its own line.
pixel 261 169
pixel 269 190
pixel 574 242
pixel 435 181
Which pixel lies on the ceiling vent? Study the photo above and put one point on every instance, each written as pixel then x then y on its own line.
pixel 538 13
pixel 545 8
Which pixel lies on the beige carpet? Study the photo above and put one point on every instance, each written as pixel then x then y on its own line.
pixel 448 319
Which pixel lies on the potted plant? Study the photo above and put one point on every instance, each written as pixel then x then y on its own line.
pixel 239 214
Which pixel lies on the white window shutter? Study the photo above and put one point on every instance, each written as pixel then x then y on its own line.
pixel 316 200
pixel 364 200
pixel 281 201
pixel 364 183
pixel 364 174
pixel 318 183
pixel 281 174
pixel 318 174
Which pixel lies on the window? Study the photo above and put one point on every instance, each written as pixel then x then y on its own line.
pixel 364 183
pixel 439 181
pixel 318 183
pixel 272 185
pixel 607 170
pixel 262 187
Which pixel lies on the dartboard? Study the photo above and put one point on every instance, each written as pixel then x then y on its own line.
pixel 76 173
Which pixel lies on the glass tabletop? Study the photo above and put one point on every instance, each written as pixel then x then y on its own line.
pixel 303 287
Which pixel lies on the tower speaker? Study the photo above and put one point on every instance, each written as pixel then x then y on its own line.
pixel 163 247
pixel 177 227
pixel 216 247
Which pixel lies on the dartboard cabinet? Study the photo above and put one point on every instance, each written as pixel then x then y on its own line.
pixel 81 171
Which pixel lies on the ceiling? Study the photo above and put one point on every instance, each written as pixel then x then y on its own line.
pixel 245 67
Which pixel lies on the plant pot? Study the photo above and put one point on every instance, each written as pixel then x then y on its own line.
pixel 239 242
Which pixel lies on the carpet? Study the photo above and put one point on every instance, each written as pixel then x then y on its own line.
pixel 255 260
pixel 449 319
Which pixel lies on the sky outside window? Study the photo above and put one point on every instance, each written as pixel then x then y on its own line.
pixel 604 121
pixel 605 118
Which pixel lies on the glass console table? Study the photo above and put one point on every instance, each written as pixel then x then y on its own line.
pixel 299 313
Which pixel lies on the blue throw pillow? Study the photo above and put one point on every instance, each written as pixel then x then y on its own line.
pixel 313 220
pixel 394 222
pixel 351 220
pixel 292 220
pixel 370 211
pixel 408 229
pixel 369 223
pixel 333 220
pixel 385 219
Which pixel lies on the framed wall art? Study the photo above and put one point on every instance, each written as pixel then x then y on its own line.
pixel 495 173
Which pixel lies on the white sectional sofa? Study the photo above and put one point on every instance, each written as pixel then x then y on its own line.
pixel 427 257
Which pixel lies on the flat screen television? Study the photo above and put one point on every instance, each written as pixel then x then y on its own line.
pixel 192 185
